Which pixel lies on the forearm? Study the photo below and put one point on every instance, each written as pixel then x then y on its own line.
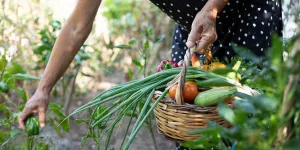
pixel 214 6
pixel 65 48
pixel 72 36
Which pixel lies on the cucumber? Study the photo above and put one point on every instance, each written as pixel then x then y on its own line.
pixel 213 82
pixel 212 96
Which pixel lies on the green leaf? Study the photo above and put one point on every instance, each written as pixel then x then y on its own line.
pixel 41 146
pixel 6 111
pixel 226 112
pixel 130 74
pixel 2 63
pixel 293 144
pixel 276 52
pixel 15 68
pixel 266 103
pixel 201 143
pixel 65 125
pixel 222 71
pixel 55 125
pixel 13 133
pixel 146 45
pixel 208 130
pixel 20 76
pixel 245 106
pixel 262 102
pixel 137 63
pixel 57 110
pixel 84 56
pixel 243 52
pixel 21 92
pixel 158 40
pixel 3 87
pixel 77 59
pixel 132 41
pixel 149 31
pixel 80 121
pixel 123 46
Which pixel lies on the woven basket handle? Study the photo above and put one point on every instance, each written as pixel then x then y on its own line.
pixel 179 90
pixel 180 78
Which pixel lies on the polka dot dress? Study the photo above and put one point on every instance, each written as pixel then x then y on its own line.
pixel 245 23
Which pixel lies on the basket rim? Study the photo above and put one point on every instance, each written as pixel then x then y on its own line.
pixel 186 107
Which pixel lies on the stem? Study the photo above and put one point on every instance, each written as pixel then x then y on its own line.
pixel 145 65
pixel 29 143
pixel 2 73
pixel 152 134
pixel 69 97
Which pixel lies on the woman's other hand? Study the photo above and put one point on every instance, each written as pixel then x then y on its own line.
pixel 73 34
pixel 38 103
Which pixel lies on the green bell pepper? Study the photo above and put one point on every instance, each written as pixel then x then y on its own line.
pixel 32 126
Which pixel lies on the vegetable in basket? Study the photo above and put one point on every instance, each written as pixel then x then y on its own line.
pixel 166 64
pixel 211 97
pixel 190 91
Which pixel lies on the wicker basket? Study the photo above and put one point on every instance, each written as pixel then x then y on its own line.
pixel 176 120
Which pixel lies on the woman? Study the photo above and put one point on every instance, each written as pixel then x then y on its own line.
pixel 217 22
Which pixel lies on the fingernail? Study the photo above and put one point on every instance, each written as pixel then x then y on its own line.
pixel 189 44
pixel 42 125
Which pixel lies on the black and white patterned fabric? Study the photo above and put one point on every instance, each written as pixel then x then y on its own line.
pixel 248 23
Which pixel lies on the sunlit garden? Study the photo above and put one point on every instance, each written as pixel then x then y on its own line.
pixel 149 75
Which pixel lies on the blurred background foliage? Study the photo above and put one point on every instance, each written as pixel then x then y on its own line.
pixel 117 50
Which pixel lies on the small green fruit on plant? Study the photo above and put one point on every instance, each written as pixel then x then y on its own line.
pixel 32 126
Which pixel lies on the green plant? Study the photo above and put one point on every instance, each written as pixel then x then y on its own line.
pixel 12 78
pixel 145 47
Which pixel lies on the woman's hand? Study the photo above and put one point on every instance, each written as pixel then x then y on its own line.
pixel 203 31
pixel 38 103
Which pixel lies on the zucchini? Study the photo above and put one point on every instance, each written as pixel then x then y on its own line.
pixel 212 96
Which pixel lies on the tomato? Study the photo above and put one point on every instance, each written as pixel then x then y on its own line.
pixel 190 91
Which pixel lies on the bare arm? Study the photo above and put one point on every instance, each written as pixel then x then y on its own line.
pixel 204 25
pixel 73 34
